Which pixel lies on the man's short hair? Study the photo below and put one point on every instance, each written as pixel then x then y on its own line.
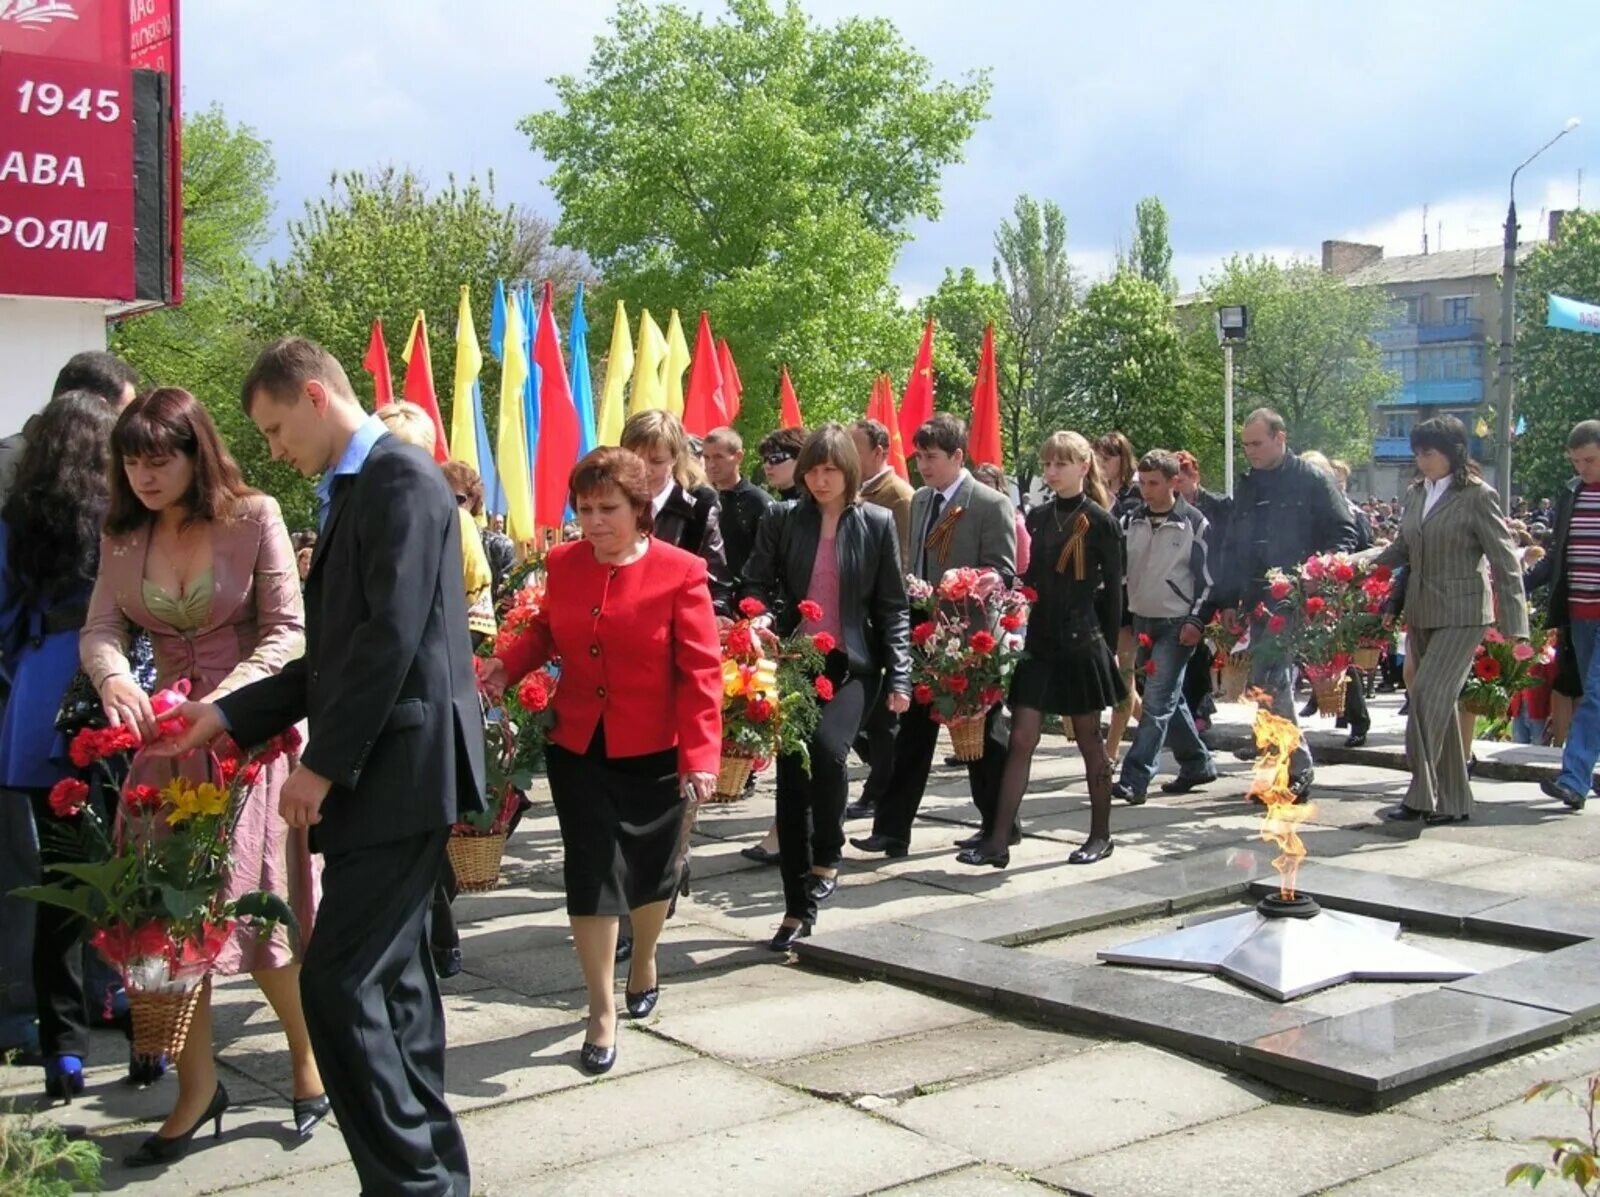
pixel 98 372
pixel 1265 415
pixel 1584 434
pixel 284 367
pixel 944 432
pixel 874 432
pixel 1159 460
pixel 726 438
pixel 784 440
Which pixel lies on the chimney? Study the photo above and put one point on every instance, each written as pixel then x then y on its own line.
pixel 1344 258
pixel 1556 217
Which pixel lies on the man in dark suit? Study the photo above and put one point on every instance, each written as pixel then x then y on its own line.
pixel 395 752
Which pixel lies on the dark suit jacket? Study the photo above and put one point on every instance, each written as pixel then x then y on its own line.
pixel 873 611
pixel 691 520
pixel 387 681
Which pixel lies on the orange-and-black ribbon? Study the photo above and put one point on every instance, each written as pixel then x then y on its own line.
pixel 1072 551
pixel 943 532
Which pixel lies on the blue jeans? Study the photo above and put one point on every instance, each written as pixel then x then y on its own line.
pixel 1583 740
pixel 1166 715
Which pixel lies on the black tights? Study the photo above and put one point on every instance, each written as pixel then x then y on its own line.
pixel 1026 723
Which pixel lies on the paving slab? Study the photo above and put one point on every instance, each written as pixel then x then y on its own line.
pixel 983 1181
pixel 826 1149
pixel 1310 1149
pixel 1466 1168
pixel 1086 1103
pixel 1413 901
pixel 1372 1056
pixel 965 968
pixel 1426 857
pixel 1566 981
pixel 924 1063
pixel 513 1143
pixel 1552 877
pixel 803 1024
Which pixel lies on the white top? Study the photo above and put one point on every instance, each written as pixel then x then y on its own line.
pixel 665 493
pixel 949 492
pixel 1434 489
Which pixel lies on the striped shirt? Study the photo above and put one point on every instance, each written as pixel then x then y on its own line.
pixel 1583 554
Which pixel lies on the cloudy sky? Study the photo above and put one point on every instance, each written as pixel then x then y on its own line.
pixel 1264 125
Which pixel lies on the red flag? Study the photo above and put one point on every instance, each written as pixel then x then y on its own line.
pixel 419 383
pixel 916 405
pixel 703 405
pixel 788 404
pixel 558 422
pixel 732 388
pixel 983 441
pixel 376 363
pixel 897 445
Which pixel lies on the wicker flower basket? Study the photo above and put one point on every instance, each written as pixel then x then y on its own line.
pixel 161 1020
pixel 1235 678
pixel 966 735
pixel 732 774
pixel 476 860
pixel 1367 658
pixel 1485 709
pixel 1330 694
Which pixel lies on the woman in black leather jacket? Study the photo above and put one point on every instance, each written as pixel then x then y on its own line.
pixel 827 549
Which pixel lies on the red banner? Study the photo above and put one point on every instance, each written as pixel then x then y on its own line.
pixel 66 168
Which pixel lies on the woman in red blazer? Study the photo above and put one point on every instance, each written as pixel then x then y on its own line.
pixel 638 724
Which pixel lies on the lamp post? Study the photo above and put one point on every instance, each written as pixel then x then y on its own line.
pixel 1508 327
pixel 1233 324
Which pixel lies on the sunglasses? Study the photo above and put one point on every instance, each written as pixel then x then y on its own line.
pixel 463 500
pixel 777 459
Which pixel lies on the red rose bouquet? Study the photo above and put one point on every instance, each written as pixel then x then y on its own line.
pixel 1501 669
pixel 772 691
pixel 963 656
pixel 1329 611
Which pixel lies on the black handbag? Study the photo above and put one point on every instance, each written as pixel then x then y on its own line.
pixel 81 706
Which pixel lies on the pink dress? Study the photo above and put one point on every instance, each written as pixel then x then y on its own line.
pixel 249 626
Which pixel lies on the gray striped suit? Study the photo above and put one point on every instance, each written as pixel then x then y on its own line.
pixel 1461 568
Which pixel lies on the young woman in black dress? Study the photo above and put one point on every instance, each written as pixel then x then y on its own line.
pixel 1070 670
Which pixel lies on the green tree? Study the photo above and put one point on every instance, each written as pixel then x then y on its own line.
pixel 1031 270
pixel 1151 255
pixel 766 169
pixel 1121 365
pixel 1558 371
pixel 205 344
pixel 1310 354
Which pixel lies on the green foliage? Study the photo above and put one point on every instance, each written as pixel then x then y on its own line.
pixel 1311 353
pixel 1030 266
pixel 1558 371
pixel 39 1159
pixel 961 308
pixel 1576 1160
pixel 1151 255
pixel 1120 365
pixel 763 168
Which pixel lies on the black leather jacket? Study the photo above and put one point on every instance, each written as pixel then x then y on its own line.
pixel 873 609
pixel 690 520
pixel 1280 517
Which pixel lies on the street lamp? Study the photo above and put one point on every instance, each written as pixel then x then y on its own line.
pixel 1508 326
pixel 1233 325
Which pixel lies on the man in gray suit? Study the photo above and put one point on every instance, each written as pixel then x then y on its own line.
pixel 955 523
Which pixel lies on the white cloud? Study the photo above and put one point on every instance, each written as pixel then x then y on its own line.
pixel 1470 221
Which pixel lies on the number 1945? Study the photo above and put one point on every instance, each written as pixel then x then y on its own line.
pixel 49 99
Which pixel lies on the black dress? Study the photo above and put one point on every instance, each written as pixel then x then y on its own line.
pixel 1076 568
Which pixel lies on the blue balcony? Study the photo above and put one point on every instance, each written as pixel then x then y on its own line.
pixel 1396 336
pixel 1398 448
pixel 1435 334
pixel 1445 392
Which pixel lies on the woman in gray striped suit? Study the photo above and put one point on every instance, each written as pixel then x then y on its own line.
pixel 1452 538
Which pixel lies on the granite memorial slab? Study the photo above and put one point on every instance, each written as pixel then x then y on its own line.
pixel 1566 981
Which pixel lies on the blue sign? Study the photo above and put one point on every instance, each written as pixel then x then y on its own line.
pixel 1574 315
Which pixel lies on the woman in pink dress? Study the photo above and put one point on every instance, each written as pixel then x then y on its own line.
pixel 203 563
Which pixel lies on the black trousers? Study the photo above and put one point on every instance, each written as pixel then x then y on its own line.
pixel 875 743
pixel 1197 683
pixel 57 950
pixel 377 1025
pixel 914 747
pixel 811 809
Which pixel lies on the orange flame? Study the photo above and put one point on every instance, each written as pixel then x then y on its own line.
pixel 1276 739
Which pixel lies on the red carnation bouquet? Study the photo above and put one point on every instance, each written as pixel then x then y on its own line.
pixel 150 883
pixel 963 656
pixel 1329 609
pixel 1501 668
pixel 772 691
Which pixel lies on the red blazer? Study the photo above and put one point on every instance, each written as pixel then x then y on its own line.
pixel 639 648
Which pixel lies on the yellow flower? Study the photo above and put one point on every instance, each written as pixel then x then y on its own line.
pixel 733 683
pixel 211 799
pixel 187 801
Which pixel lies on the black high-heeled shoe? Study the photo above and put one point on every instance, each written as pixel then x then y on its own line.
pixel 642 1004
pixel 158 1149
pixel 597 1060
pixel 1091 853
pixel 978 857
pixel 308 1111
pixel 787 937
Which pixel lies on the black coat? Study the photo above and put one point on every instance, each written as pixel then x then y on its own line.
pixel 691 520
pixel 742 509
pixel 1280 518
pixel 387 681
pixel 873 609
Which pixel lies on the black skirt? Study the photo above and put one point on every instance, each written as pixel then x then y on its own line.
pixel 1071 675
pixel 620 821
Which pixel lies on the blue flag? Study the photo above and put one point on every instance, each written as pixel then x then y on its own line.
pixel 582 387
pixel 1574 315
pixel 497 319
pixel 494 497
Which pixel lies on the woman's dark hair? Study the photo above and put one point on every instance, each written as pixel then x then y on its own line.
pixel 831 444
pixel 622 469
pixel 1447 435
pixel 161 423
pixel 1114 444
pixel 58 501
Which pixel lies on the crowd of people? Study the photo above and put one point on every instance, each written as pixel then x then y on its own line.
pixel 135 557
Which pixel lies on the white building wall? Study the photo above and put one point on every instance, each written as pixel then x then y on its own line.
pixel 37 336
